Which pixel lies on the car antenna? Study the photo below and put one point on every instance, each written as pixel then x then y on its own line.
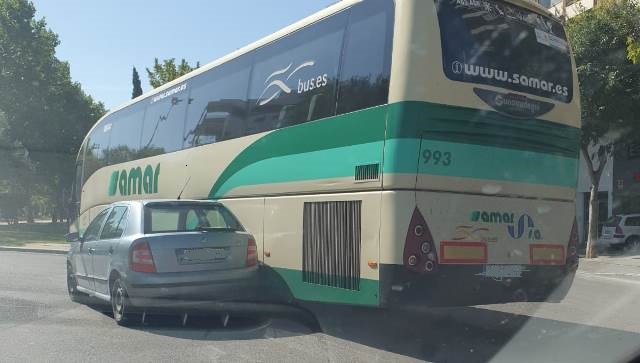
pixel 184 187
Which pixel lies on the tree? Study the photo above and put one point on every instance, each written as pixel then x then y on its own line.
pixel 46 113
pixel 167 71
pixel 137 85
pixel 603 41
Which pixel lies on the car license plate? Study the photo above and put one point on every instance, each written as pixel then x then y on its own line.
pixel 188 256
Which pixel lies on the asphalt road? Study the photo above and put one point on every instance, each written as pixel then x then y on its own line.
pixel 599 321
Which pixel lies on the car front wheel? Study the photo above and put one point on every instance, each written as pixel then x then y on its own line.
pixel 633 243
pixel 120 304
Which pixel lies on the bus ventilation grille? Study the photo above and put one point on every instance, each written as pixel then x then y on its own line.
pixel 331 244
pixel 368 172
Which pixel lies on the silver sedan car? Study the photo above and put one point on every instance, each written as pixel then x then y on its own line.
pixel 160 254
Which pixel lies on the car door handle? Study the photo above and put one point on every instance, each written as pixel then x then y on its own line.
pixel 111 250
pixel 92 250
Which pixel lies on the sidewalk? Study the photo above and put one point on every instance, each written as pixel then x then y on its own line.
pixel 620 267
pixel 56 248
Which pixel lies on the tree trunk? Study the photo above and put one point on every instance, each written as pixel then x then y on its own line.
pixel 592 236
pixel 594 175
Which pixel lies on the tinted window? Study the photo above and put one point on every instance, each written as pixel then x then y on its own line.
pixel 114 226
pixel 164 121
pixel 93 230
pixel 632 221
pixel 503 45
pixel 182 217
pixel 218 104
pixel 96 155
pixel 364 78
pixel 211 218
pixel 613 221
pixel 294 79
pixel 125 134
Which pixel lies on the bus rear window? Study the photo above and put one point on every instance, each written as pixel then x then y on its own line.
pixel 499 44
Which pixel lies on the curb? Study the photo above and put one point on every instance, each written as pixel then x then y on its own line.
pixel 33 250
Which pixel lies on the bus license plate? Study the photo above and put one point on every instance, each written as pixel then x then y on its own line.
pixel 503 271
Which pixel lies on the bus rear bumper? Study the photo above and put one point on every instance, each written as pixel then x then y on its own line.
pixel 465 285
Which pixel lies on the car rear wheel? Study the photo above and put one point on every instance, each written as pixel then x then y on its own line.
pixel 120 304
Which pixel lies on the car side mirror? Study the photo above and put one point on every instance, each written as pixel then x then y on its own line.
pixel 73 237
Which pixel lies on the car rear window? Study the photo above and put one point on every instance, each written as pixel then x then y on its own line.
pixel 184 217
pixel 613 221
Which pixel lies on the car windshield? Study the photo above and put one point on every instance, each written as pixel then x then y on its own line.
pixel 185 217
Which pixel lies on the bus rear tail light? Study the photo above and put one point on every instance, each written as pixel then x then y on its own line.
pixel 572 248
pixel 141 257
pixel 419 250
pixel 252 252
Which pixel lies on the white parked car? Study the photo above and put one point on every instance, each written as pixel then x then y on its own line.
pixel 622 231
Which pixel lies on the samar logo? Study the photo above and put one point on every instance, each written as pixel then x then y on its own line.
pixel 517 228
pixel 524 226
pixel 277 83
pixel 135 181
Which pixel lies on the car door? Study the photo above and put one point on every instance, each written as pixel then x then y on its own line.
pixel 104 247
pixel 632 226
pixel 91 234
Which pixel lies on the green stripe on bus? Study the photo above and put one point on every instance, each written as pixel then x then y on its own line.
pixel 413 119
pixel 351 129
pixel 332 147
pixel 315 165
pixel 479 162
pixel 367 295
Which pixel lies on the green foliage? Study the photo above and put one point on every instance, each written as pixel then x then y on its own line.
pixel 46 114
pixel 609 80
pixel 167 71
pixel 633 50
pixel 137 85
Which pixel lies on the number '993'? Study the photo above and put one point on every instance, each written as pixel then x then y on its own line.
pixel 436 157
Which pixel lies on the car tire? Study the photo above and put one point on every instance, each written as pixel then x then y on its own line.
pixel 72 287
pixel 120 305
pixel 633 243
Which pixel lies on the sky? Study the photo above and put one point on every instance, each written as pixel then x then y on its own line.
pixel 104 40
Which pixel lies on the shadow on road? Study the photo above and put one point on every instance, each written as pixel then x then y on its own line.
pixel 465 334
pixel 471 334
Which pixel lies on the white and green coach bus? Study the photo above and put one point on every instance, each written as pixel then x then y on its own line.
pixel 381 152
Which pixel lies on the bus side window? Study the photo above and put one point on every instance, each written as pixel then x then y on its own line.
pixel 217 105
pixel 161 120
pixel 125 134
pixel 294 78
pixel 366 65
pixel 97 152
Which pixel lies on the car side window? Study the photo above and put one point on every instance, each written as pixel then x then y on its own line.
pixel 93 230
pixel 632 221
pixel 114 226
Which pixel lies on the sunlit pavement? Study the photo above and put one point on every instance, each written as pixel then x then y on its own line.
pixel 599 321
